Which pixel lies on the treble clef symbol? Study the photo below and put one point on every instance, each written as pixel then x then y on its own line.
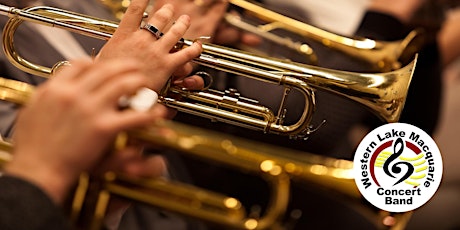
pixel 398 149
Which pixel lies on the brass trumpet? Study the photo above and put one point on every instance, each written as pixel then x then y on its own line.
pixel 276 165
pixel 382 93
pixel 382 55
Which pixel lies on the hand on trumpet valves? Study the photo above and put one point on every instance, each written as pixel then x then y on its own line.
pixel 154 55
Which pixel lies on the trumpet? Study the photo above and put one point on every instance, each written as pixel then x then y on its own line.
pixel 276 165
pixel 382 55
pixel 382 93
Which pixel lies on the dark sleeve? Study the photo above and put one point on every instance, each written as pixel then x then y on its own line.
pixel 25 206
pixel 380 26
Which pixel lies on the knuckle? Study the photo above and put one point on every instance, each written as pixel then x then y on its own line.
pixel 164 16
pixel 135 9
pixel 177 32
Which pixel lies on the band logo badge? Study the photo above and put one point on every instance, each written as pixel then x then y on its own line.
pixel 398 167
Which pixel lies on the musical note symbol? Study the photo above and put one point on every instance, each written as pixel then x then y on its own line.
pixel 398 149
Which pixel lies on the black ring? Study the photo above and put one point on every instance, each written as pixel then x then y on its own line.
pixel 154 30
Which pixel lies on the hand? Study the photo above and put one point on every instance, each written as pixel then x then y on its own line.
pixel 154 55
pixel 448 37
pixel 71 120
pixel 229 35
pixel 131 162
pixel 206 15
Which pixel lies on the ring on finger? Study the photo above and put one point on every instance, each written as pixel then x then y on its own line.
pixel 152 29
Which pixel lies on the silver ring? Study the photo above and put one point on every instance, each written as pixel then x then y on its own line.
pixel 152 29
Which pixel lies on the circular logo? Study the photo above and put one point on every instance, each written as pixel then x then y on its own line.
pixel 398 167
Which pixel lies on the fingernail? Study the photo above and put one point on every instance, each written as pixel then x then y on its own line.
pixel 198 42
pixel 189 83
pixel 177 82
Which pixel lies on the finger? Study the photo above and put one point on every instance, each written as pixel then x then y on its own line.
pixel 250 39
pixel 115 161
pixel 153 166
pixel 202 3
pixel 161 111
pixel 226 35
pixel 133 16
pixel 126 84
pixel 128 119
pixel 194 82
pixel 185 55
pixel 158 4
pixel 214 15
pixel 161 18
pixel 74 70
pixel 210 5
pixel 216 10
pixel 176 32
pixel 183 71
